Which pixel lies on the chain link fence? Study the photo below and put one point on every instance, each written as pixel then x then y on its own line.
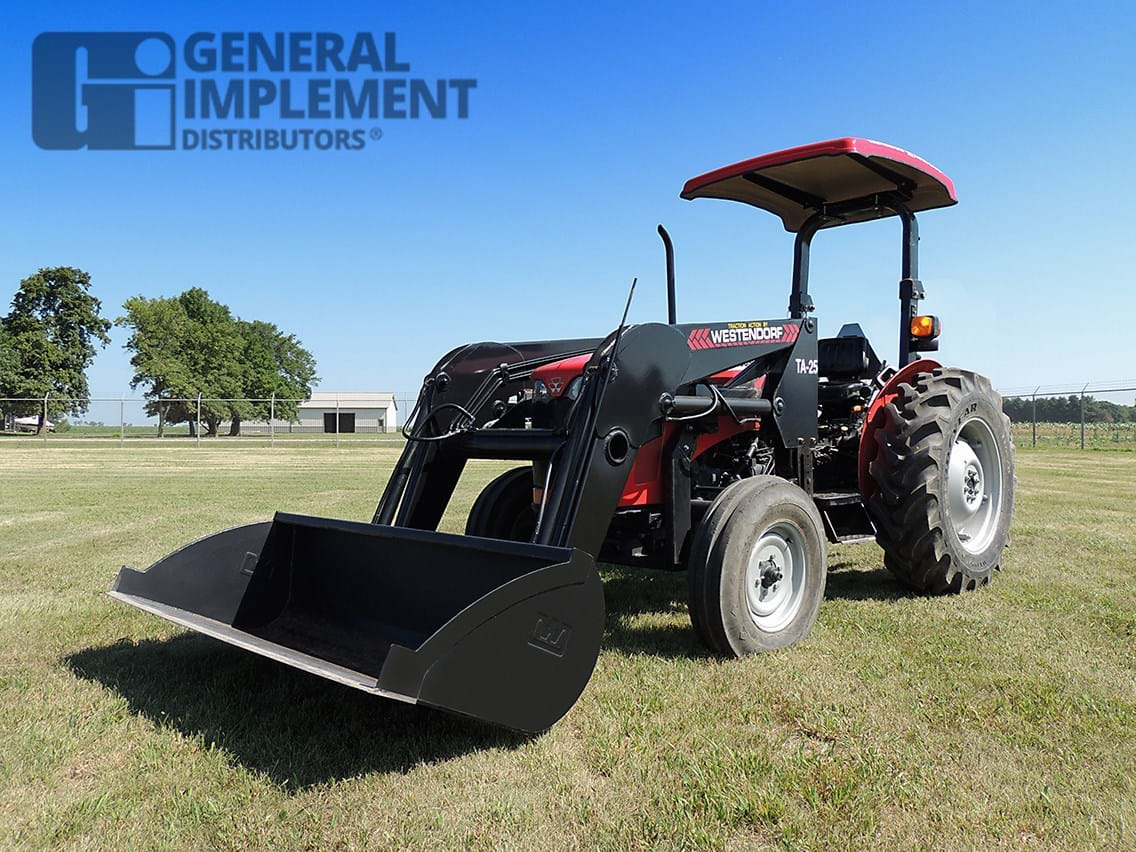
pixel 327 418
pixel 1089 415
pixel 1086 415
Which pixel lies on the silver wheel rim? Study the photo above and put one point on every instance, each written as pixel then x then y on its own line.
pixel 775 577
pixel 974 485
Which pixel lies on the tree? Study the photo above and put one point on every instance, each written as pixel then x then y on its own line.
pixel 8 367
pixel 8 362
pixel 52 330
pixel 276 364
pixel 189 344
pixel 183 346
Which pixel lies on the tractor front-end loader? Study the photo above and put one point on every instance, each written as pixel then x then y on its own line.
pixel 738 451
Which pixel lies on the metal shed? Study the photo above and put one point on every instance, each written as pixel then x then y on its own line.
pixel 347 412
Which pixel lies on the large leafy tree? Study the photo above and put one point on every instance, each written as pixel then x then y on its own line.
pixel 190 344
pixel 183 346
pixel 53 330
pixel 275 364
pixel 9 364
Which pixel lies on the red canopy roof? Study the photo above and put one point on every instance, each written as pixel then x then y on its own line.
pixel 798 182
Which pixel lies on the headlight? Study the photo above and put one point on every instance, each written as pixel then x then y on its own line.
pixel 540 391
pixel 574 387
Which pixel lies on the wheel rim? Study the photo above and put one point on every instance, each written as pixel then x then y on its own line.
pixel 974 485
pixel 775 577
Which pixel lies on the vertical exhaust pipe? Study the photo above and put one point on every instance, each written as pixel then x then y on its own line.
pixel 672 311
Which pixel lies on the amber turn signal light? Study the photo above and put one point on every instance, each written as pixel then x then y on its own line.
pixel 926 327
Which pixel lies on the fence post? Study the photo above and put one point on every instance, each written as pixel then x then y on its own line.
pixel 337 420
pixel 197 431
pixel 1034 415
pixel 45 396
pixel 122 421
pixel 1083 417
pixel 272 422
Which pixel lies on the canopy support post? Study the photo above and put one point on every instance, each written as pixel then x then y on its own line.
pixel 800 302
pixel 910 287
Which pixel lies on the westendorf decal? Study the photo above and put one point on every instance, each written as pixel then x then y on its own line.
pixel 742 334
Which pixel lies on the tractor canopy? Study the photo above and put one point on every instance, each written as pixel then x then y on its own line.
pixel 844 178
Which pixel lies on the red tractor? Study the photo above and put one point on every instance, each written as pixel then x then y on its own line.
pixel 738 451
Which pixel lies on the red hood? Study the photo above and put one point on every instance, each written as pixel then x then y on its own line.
pixel 558 375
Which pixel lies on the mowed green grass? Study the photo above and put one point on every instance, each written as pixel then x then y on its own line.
pixel 1003 718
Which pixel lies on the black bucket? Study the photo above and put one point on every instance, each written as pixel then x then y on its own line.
pixel 501 631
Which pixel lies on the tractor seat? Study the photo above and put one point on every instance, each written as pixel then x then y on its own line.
pixel 848 356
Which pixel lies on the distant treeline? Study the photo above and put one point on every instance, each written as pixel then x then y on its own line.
pixel 1067 409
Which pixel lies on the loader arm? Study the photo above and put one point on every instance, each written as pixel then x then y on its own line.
pixel 656 368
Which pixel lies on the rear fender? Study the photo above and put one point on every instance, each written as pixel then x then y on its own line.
pixel 877 418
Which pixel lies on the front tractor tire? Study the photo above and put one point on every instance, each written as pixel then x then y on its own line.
pixel 504 508
pixel 944 481
pixel 757 568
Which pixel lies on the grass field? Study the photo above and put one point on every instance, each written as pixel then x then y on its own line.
pixel 1005 718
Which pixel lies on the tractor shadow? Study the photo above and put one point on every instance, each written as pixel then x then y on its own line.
pixel 297 729
pixel 300 731
pixel 647 614
pixel 850 582
pixel 647 609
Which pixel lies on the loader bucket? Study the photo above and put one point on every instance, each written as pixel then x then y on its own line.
pixel 500 631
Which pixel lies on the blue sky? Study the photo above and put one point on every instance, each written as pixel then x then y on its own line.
pixel 529 219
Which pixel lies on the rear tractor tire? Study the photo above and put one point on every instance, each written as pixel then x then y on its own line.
pixel 504 508
pixel 757 568
pixel 944 478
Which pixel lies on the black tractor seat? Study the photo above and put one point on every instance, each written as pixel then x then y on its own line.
pixel 848 356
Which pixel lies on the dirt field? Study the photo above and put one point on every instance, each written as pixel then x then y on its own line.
pixel 1003 718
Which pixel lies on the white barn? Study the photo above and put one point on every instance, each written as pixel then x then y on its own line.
pixel 357 411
